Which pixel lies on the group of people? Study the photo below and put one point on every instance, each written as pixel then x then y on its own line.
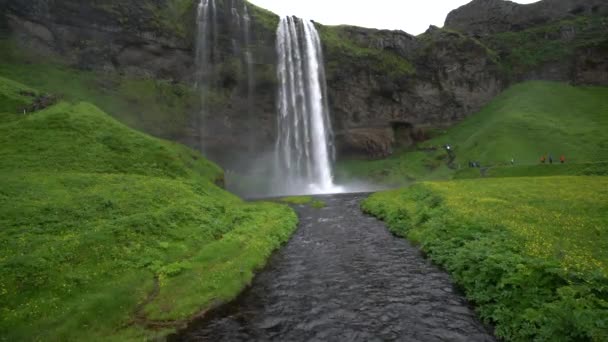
pixel 544 159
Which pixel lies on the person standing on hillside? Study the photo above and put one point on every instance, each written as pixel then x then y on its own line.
pixel 550 159
pixel 562 159
pixel 542 159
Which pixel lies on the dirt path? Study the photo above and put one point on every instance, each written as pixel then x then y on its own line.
pixel 344 277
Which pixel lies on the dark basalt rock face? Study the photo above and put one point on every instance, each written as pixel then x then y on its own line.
pixel 556 40
pixel 386 88
pixel 104 35
pixel 454 76
pixel 485 17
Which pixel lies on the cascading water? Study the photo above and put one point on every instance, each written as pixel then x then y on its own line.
pixel 205 58
pixel 241 42
pixel 210 55
pixel 248 55
pixel 304 147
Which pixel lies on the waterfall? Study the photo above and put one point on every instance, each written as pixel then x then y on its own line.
pixel 241 40
pixel 206 43
pixel 248 56
pixel 210 54
pixel 304 147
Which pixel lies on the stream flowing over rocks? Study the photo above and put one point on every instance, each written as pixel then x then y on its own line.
pixel 344 277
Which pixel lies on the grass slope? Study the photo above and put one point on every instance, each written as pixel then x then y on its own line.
pixel 403 167
pixel 526 121
pixel 107 233
pixel 530 253
pixel 542 170
pixel 532 119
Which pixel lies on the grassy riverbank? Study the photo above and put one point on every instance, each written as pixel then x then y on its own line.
pixel 530 253
pixel 107 233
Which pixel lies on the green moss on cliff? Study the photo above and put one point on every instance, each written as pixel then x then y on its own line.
pixel 341 49
pixel 523 51
pixel 263 17
pixel 169 18
pixel 433 39
pixel 158 107
pixel 175 16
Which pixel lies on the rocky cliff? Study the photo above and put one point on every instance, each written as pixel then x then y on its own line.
pixel 446 74
pixel 558 40
pixel 144 38
pixel 386 88
pixel 487 17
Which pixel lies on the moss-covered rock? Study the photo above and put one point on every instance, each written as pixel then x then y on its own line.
pixel 555 51
pixel 343 48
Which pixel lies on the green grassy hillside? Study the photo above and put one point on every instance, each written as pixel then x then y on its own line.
pixel 536 170
pixel 97 220
pixel 530 253
pixel 526 121
pixel 532 119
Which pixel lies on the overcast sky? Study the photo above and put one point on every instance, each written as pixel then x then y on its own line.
pixel 412 16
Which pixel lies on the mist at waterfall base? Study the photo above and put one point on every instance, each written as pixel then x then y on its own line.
pixel 254 179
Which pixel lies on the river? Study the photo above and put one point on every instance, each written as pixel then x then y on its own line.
pixel 344 277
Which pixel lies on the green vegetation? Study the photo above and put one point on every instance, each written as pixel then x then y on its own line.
pixel 532 119
pixel 303 200
pixel 526 121
pixel 175 16
pixel 99 220
pixel 403 167
pixel 530 253
pixel 170 18
pixel 14 96
pixel 522 51
pixel 341 49
pixel 263 17
pixel 434 40
pixel 160 108
pixel 318 204
pixel 542 170
pixel 297 200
